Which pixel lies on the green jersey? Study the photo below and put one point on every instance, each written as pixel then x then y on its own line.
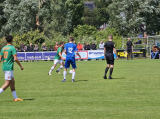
pixel 57 55
pixel 7 53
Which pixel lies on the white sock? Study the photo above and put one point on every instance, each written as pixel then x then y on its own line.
pixel 14 94
pixel 51 69
pixel 73 74
pixel 1 90
pixel 60 68
pixel 64 74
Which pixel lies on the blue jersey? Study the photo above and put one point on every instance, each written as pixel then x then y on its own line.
pixel 70 48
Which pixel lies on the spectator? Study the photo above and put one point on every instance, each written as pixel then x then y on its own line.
pixel 23 49
pixel 74 42
pixel 21 46
pixel 87 47
pixel 30 48
pixel 36 48
pixel 155 53
pixel 84 46
pixel 93 46
pixel 51 48
pixel 79 46
pixel 101 45
pixel 17 50
pixel 56 46
pixel 44 47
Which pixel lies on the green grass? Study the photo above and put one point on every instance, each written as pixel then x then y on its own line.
pixel 134 94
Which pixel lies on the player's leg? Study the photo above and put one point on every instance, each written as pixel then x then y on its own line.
pixel 111 70
pixel 7 81
pixel 5 86
pixel 106 70
pixel 73 63
pixel 67 65
pixel 52 68
pixel 111 66
pixel 12 87
pixel 62 65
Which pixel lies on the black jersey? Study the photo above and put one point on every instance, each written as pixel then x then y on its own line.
pixel 129 45
pixel 109 45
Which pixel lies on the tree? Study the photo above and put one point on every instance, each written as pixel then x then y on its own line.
pixel 2 19
pixel 101 13
pixel 127 15
pixel 89 17
pixel 76 7
pixel 65 15
pixel 20 16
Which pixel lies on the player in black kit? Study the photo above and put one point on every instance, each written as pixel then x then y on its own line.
pixel 129 48
pixel 109 47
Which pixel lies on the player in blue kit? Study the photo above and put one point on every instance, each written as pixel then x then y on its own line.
pixel 70 49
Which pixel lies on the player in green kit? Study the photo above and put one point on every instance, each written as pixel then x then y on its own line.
pixel 58 59
pixel 8 53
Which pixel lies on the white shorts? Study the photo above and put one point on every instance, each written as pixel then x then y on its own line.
pixel 8 75
pixel 57 61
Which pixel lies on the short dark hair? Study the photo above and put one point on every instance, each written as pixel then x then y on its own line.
pixel 156 47
pixel 9 38
pixel 61 43
pixel 71 38
pixel 110 37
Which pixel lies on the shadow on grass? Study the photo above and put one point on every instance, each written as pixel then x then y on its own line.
pixel 28 99
pixel 80 80
pixel 119 78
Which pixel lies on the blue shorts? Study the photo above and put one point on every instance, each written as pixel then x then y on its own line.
pixel 70 61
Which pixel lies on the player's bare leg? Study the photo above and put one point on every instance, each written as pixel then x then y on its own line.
pixel 5 86
pixel 62 65
pixel 73 74
pixel 64 74
pixel 111 71
pixel 12 87
pixel 52 68
pixel 106 70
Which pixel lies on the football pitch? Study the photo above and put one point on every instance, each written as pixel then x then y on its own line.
pixel 134 93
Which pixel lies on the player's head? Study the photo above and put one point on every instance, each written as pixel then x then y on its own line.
pixel 110 37
pixel 9 39
pixel 61 43
pixel 71 38
pixel 129 39
pixel 156 48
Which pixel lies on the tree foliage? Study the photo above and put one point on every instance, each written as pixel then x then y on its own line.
pixel 127 15
pixel 20 16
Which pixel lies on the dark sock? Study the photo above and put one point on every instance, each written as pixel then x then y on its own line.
pixel 111 70
pixel 106 70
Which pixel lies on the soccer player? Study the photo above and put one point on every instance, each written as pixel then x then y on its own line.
pixel 8 53
pixel 58 59
pixel 109 47
pixel 129 48
pixel 70 49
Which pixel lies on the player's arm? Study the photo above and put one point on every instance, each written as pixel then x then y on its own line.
pixel 60 54
pixel 78 54
pixel 105 52
pixel 17 61
pixel 0 58
pixel 114 49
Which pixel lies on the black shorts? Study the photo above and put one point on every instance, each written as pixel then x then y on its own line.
pixel 129 50
pixel 110 59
